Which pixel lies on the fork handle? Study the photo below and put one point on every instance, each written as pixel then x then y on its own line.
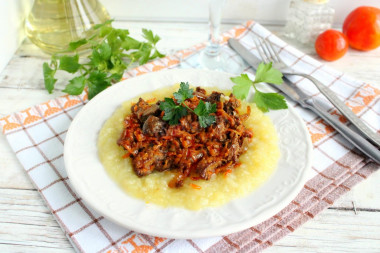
pixel 355 139
pixel 344 109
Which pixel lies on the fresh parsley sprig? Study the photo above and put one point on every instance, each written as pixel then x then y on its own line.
pixel 264 101
pixel 183 93
pixel 113 51
pixel 203 111
pixel 175 111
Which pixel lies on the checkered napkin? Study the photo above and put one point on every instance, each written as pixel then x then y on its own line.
pixel 37 135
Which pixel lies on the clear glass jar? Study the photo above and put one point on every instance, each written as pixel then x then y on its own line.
pixel 53 24
pixel 307 19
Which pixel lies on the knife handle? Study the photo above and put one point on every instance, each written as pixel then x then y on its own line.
pixel 344 109
pixel 354 138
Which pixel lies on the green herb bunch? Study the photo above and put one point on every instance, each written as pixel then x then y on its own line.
pixel 113 51
pixel 174 111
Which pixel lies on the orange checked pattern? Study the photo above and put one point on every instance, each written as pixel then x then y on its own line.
pixel 37 134
pixel 363 98
pixel 135 244
pixel 9 123
pixel 49 108
pixel 29 116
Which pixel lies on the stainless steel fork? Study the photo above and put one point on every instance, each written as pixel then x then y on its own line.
pixel 269 54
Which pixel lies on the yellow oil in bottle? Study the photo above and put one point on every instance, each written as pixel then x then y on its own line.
pixel 53 24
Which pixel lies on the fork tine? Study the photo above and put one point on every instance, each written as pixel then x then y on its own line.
pixel 270 53
pixel 274 52
pixel 265 49
pixel 260 50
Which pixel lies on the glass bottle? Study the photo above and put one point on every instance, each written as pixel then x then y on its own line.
pixel 308 18
pixel 53 24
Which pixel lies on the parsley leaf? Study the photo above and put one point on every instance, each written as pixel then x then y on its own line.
pixel 183 93
pixel 104 30
pixel 205 121
pixel 69 63
pixel 75 44
pixel 108 22
pixel 75 86
pixel 266 74
pixel 242 87
pixel 264 101
pixel 145 53
pixel 173 112
pixel 113 51
pixel 130 43
pixel 203 111
pixel 148 34
pixel 156 54
pixel 97 82
pixel 104 51
pixel 49 77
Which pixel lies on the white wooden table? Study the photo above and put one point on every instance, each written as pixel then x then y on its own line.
pixel 26 225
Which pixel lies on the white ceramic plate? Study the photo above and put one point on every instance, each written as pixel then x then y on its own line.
pixel 98 190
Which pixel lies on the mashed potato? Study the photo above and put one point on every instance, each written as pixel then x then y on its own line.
pixel 258 163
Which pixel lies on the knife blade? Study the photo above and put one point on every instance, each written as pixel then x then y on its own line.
pixel 297 95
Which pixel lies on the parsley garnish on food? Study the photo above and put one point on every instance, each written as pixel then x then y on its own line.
pixel 203 110
pixel 175 111
pixel 183 93
pixel 264 101
pixel 113 51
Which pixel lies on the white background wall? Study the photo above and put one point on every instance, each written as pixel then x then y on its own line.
pixel 266 11
pixel 13 13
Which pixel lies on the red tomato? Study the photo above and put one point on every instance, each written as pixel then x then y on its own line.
pixel 362 28
pixel 331 45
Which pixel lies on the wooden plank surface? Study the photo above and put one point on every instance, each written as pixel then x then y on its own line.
pixel 26 225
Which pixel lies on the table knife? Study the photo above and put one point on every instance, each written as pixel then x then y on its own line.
pixel 305 101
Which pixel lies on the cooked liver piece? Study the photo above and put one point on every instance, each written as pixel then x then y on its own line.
pixel 143 110
pixel 153 126
pixel 214 97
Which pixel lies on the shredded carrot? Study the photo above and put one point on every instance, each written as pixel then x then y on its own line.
pixel 244 117
pixel 227 172
pixel 152 100
pixel 223 113
pixel 232 130
pixel 196 187
pixel 237 164
pixel 126 155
